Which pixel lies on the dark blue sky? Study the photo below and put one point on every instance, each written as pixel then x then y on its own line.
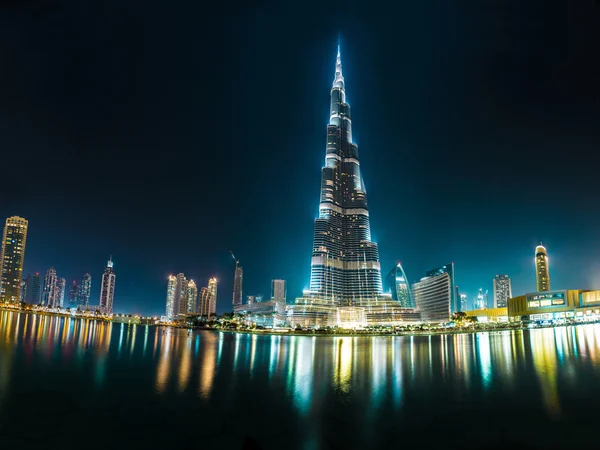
pixel 167 135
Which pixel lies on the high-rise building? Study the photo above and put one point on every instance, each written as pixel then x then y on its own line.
pixel 345 266
pixel 435 294
pixel 463 302
pixel 171 286
pixel 12 256
pixel 208 299
pixel 107 291
pixel 191 297
pixel 502 290
pixel 50 293
pixel 212 287
pixel 23 290
pixel 481 301
pixel 250 299
pixel 179 301
pixel 85 290
pixel 278 291
pixel 397 285
pixel 34 289
pixel 74 295
pixel 61 286
pixel 542 270
pixel 237 285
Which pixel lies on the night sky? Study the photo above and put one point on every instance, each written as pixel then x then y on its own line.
pixel 169 135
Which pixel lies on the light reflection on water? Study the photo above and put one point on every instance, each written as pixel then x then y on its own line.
pixel 307 377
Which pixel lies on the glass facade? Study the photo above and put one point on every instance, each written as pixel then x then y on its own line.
pixel 397 285
pixel 502 291
pixel 542 270
pixel 11 259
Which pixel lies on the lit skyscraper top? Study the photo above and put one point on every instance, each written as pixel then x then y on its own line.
pixel 345 262
pixel 542 269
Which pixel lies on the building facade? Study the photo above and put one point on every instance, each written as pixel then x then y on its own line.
pixel 542 269
pixel 463 302
pixel 107 291
pixel 61 287
pixel 481 301
pixel 435 294
pixel 73 295
pixel 238 279
pixel 191 297
pixel 12 256
pixel 502 290
pixel 278 291
pixel 171 286
pixel 212 287
pixel 85 290
pixel 397 286
pixel 50 292
pixel 33 294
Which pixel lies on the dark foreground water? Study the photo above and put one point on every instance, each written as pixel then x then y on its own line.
pixel 81 384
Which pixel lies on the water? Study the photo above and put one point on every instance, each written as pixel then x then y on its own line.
pixel 68 383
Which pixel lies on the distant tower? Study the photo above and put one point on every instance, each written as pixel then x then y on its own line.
pixel 49 295
pixel 171 285
pixel 212 287
pixel 85 290
pixel 397 285
pixel 191 297
pixel 237 283
pixel 481 300
pixel 34 289
pixel 73 295
pixel 107 291
pixel 463 302
pixel 11 259
pixel 502 291
pixel 179 300
pixel 542 269
pixel 61 286
pixel 278 291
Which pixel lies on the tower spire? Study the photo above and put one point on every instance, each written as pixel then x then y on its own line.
pixel 339 78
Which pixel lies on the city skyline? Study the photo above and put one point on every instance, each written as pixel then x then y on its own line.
pixel 431 133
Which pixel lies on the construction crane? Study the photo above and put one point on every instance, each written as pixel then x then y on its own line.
pixel 237 262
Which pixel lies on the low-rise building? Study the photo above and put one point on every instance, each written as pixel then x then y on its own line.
pixel 489 315
pixel 555 306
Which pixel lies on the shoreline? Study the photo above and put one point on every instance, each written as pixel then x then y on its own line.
pixel 317 333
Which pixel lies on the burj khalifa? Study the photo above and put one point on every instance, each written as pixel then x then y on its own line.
pixel 345 266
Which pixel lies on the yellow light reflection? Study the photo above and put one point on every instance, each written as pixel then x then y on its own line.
pixel 343 363
pixel 543 350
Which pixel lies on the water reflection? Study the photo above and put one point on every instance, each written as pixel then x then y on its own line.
pixel 319 379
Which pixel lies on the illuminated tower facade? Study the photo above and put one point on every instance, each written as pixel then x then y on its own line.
pixel 107 291
pixel 50 293
pixel 345 261
pixel 73 295
pixel 542 269
pixel 85 290
pixel 171 285
pixel 61 286
pixel 212 288
pixel 11 258
pixel 278 291
pixel 191 297
pixel 502 291
pixel 397 285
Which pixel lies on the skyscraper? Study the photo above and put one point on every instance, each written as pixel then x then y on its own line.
pixel 397 285
pixel 61 286
pixel 463 302
pixel 212 287
pixel 50 293
pixel 191 297
pixel 74 295
pixel 171 285
pixel 481 301
pixel 237 285
pixel 179 300
pixel 345 266
pixel 12 256
pixel 542 270
pixel 502 291
pixel 278 291
pixel 107 291
pixel 34 289
pixel 85 290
